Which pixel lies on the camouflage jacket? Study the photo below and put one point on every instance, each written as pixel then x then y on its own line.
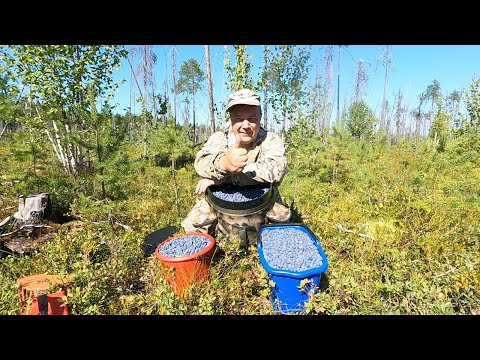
pixel 267 161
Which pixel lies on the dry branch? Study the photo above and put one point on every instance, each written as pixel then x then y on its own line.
pixel 340 227
pixel 23 227
pixel 452 269
pixel 114 222
pixel 78 217
pixel 6 220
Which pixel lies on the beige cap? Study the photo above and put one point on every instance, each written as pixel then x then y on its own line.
pixel 243 96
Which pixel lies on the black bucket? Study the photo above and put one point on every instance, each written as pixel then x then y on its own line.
pixel 152 240
pixel 243 207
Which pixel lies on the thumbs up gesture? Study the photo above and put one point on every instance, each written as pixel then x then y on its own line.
pixel 235 159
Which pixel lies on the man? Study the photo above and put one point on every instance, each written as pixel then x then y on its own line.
pixel 243 153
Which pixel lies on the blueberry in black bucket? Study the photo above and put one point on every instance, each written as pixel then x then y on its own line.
pixel 240 200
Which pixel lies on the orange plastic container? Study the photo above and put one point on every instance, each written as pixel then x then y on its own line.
pixel 55 305
pixel 30 287
pixel 183 271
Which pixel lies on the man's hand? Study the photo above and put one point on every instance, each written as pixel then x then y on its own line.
pixel 235 159
pixel 204 183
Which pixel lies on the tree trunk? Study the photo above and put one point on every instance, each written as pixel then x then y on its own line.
pixel 193 118
pixel 338 86
pixel 144 127
pixel 272 121
pixel 329 87
pixel 154 102
pixel 386 58
pixel 145 69
pixel 384 101
pixel 174 86
pixel 265 89
pixel 210 91
pixel 427 128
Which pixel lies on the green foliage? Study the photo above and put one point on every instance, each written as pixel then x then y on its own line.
pixel 191 77
pixel 360 120
pixel 162 104
pixel 307 156
pixel 102 138
pixel 433 93
pixel 59 74
pixel 288 72
pixel 473 104
pixel 440 131
pixel 8 295
pixel 239 76
pixel 170 145
pixel 10 99
pixel 467 127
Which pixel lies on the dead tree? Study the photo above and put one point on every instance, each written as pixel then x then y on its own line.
pixel 210 90
pixel 386 58
pixel 33 209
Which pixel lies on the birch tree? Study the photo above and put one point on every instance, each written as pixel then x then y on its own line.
pixel 470 125
pixel 289 71
pixel 239 75
pixel 56 78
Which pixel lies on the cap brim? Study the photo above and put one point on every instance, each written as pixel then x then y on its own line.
pixel 240 102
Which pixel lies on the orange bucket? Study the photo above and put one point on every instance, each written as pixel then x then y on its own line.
pixel 183 271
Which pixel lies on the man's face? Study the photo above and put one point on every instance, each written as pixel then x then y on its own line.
pixel 245 122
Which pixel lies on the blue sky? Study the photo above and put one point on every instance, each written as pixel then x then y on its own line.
pixel 414 68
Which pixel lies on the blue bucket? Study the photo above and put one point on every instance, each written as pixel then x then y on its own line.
pixel 291 290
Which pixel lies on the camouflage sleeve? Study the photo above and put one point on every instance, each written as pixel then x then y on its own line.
pixel 270 165
pixel 206 161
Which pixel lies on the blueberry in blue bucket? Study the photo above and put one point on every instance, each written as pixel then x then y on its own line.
pixel 294 261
